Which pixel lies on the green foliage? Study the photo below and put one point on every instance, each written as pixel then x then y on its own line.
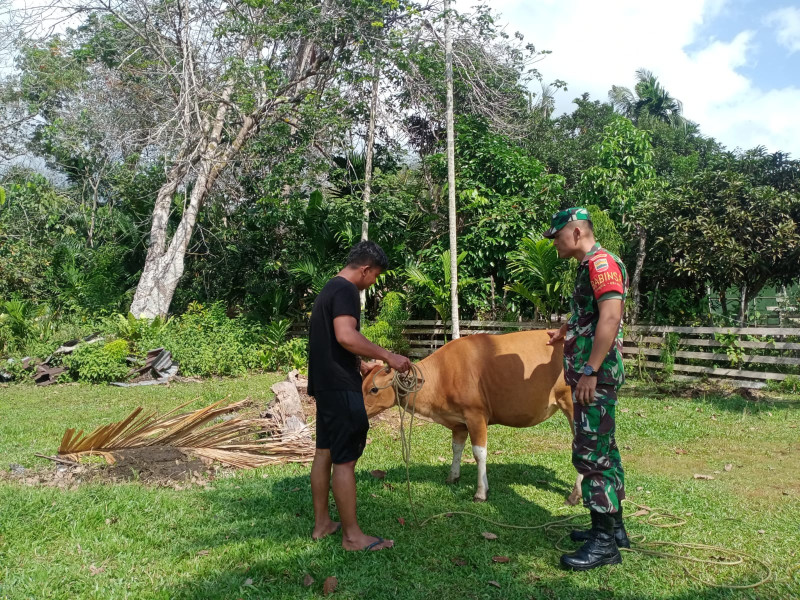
pixel 790 385
pixel 436 291
pixel 732 345
pixel 205 341
pixel 99 363
pixel 135 330
pixel 624 178
pixel 540 276
pixel 668 350
pixel 387 330
pixel 720 229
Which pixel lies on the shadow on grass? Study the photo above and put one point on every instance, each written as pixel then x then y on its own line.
pixel 258 545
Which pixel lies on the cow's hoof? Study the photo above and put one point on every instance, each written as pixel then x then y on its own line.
pixel 452 480
pixel 573 500
pixel 477 498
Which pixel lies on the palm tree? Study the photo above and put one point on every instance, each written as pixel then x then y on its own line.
pixel 648 100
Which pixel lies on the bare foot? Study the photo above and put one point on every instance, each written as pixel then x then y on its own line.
pixel 366 542
pixel 325 530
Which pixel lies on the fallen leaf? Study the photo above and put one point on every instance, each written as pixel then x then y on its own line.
pixel 441 459
pixel 700 476
pixel 627 448
pixel 330 585
pixel 369 440
pixel 500 559
pixel 761 531
pixel 388 486
pixel 378 474
pixel 667 408
pixel 681 451
pixel 296 489
pixel 713 417
pixel 308 580
pixel 624 410
pixel 497 452
pixel 373 495
pixel 728 467
pixel 495 584
pixel 248 582
pixel 95 570
pixel 769 414
pixel 401 520
pixel 489 535
pixel 203 553
pixel 639 488
pixel 459 562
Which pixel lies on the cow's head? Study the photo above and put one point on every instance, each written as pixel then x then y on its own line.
pixel 378 391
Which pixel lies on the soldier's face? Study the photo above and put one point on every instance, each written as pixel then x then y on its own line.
pixel 564 241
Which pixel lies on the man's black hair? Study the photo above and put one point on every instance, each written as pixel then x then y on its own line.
pixel 368 254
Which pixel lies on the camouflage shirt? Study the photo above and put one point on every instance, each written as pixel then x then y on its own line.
pixel 601 276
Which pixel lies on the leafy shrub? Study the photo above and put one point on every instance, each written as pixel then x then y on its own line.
pixel 205 341
pixel 98 363
pixel 387 331
pixel 790 385
pixel 135 330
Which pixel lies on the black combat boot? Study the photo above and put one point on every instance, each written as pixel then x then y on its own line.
pixel 620 535
pixel 599 550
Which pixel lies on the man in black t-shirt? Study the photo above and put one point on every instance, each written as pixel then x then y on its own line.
pixel 335 344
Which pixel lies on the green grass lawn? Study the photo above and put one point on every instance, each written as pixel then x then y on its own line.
pixel 248 536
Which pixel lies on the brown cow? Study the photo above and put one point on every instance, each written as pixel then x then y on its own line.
pixel 514 379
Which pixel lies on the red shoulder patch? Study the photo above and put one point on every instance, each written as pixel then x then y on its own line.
pixel 605 275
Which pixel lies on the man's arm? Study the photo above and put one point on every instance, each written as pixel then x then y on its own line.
pixel 606 333
pixel 604 336
pixel 344 327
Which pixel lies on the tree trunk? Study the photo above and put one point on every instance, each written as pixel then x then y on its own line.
pixel 451 174
pixel 743 306
pixel 637 275
pixel 373 109
pixel 723 302
pixel 163 266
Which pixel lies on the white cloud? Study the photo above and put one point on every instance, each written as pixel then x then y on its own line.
pixel 787 23
pixel 599 44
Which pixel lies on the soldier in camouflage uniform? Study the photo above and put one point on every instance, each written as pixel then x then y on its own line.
pixel 593 368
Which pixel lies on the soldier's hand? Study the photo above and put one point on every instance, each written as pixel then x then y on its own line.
pixel 584 391
pixel 556 335
pixel 399 363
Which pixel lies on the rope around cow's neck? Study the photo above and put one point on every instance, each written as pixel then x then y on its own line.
pixel 407 386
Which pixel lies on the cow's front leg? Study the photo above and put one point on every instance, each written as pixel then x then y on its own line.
pixel 477 435
pixel 459 441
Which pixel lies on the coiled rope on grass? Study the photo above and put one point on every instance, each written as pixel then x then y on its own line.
pixel 407 386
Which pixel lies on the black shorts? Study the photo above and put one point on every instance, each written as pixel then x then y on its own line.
pixel 342 424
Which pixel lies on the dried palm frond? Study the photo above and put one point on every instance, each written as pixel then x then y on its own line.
pixel 233 442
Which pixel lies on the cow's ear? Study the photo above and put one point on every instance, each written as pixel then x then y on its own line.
pixel 371 372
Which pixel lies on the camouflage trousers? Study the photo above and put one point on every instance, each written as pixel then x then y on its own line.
pixel 595 454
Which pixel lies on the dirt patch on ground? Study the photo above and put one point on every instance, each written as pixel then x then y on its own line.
pixel 158 465
pixel 154 464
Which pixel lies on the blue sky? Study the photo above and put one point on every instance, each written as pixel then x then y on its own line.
pixel 735 64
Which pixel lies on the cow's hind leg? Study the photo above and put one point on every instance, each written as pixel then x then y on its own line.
pixel 477 434
pixel 459 441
